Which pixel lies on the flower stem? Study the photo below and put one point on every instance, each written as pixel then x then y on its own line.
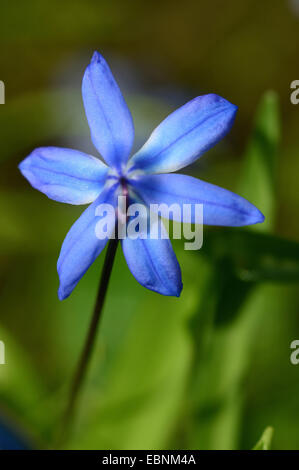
pixel 90 340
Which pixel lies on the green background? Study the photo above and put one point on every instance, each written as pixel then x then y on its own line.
pixel 211 369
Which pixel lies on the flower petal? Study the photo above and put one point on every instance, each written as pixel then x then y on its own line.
pixel 153 264
pixel 81 246
pixel 220 206
pixel 109 118
pixel 185 134
pixel 65 175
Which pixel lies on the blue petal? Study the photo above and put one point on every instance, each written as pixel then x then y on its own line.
pixel 81 245
pixel 109 118
pixel 65 175
pixel 154 265
pixel 220 206
pixel 185 134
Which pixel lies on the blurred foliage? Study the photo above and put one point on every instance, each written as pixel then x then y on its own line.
pixel 260 162
pixel 265 441
pixel 208 370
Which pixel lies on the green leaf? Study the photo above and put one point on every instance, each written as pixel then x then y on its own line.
pixel 22 391
pixel 133 393
pixel 242 258
pixel 254 256
pixel 266 439
pixel 258 181
pixel 215 397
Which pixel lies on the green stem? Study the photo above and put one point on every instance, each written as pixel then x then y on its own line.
pixel 90 340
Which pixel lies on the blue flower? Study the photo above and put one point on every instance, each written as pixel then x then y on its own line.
pixel 74 177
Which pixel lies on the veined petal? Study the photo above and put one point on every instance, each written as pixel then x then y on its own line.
pixel 153 264
pixel 65 175
pixel 81 246
pixel 109 118
pixel 185 135
pixel 220 206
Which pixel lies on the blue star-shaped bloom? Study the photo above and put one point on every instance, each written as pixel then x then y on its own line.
pixel 74 177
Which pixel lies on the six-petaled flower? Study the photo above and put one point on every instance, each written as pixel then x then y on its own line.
pixel 74 177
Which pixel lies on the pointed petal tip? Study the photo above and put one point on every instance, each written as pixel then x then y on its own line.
pixel 64 175
pixel 96 57
pixel 255 216
pixel 258 217
pixel 234 109
pixel 175 291
pixel 230 108
pixel 22 165
pixel 28 161
pixel 24 168
pixel 62 295
pixel 62 292
pixel 109 118
pixel 179 290
pixel 217 99
pixel 220 99
pixel 186 134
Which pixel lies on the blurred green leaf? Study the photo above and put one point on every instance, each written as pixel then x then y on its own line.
pixel 259 172
pixel 266 439
pixel 142 375
pixel 241 259
pixel 252 256
pixel 230 291
pixel 216 376
pixel 18 374
pixel 219 375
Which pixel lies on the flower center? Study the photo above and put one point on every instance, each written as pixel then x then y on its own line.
pixel 124 186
